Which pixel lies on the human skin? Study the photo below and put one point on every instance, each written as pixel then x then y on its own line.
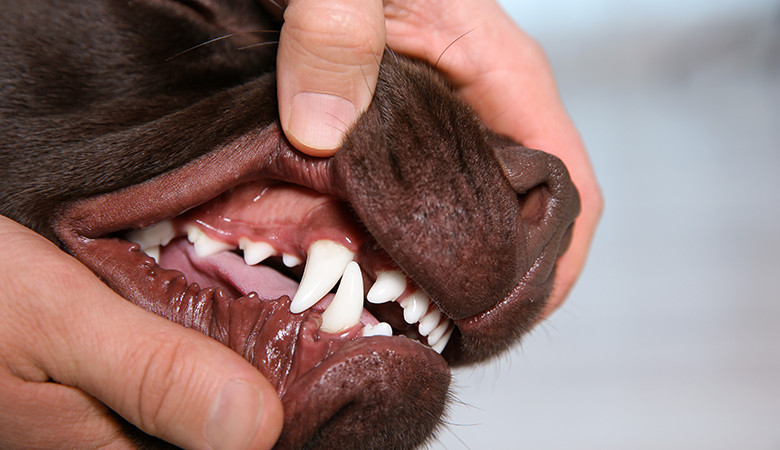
pixel 105 353
pixel 494 66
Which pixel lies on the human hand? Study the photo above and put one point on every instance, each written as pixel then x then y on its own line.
pixel 335 47
pixel 73 351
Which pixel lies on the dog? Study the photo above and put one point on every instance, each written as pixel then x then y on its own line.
pixel 142 137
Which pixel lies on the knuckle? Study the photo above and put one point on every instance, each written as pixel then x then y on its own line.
pixel 337 33
pixel 168 372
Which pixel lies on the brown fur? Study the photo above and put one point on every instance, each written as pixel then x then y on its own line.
pixel 98 106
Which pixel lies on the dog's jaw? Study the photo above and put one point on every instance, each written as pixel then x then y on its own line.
pixel 520 200
pixel 475 221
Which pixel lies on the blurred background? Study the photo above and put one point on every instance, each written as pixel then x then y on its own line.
pixel 671 340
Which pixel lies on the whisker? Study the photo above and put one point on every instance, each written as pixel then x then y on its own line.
pixel 451 44
pixel 217 39
pixel 277 4
pixel 258 45
pixel 392 53
pixel 368 86
pixel 346 126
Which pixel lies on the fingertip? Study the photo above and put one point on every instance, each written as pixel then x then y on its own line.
pixel 327 69
pixel 244 415
pixel 318 122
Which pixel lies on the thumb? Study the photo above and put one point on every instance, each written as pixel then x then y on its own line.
pixel 327 68
pixel 169 381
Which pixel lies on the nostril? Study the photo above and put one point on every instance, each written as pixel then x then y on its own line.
pixel 533 204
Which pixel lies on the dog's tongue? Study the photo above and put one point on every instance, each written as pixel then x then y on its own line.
pixel 228 271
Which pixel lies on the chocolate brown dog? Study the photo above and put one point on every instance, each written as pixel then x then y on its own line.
pixel 142 137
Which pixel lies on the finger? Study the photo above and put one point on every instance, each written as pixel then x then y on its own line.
pixel 327 68
pixel 49 416
pixel 169 381
pixel 505 76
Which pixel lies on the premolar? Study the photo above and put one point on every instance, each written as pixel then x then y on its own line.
pixel 438 333
pixel 325 264
pixel 380 329
pixel 204 245
pixel 255 252
pixel 150 239
pixel 429 322
pixel 438 347
pixel 388 287
pixel 415 306
pixel 158 234
pixel 291 260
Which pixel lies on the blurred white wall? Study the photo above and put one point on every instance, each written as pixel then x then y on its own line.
pixel 671 340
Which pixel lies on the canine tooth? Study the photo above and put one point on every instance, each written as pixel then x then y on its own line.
pixel 158 234
pixel 415 306
pixel 439 346
pixel 204 245
pixel 291 260
pixel 347 305
pixel 255 252
pixel 380 329
pixel 153 252
pixel 388 286
pixel 438 332
pixel 325 265
pixel 429 322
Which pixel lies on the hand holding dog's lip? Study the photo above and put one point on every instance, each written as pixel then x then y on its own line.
pixel 327 65
pixel 155 375
pixel 171 135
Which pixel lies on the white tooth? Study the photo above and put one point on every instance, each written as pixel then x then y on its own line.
pixel 347 305
pixel 255 252
pixel 291 260
pixel 429 322
pixel 204 245
pixel 380 329
pixel 388 286
pixel 438 332
pixel 154 252
pixel 325 265
pixel 415 306
pixel 439 346
pixel 157 234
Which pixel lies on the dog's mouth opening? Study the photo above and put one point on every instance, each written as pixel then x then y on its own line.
pixel 288 244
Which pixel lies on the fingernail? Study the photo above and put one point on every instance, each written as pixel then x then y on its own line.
pixel 235 416
pixel 320 120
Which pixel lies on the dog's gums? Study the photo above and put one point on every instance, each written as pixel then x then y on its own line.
pixel 353 282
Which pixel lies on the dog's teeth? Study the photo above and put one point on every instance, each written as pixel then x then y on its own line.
pixel 291 260
pixel 435 336
pixel 438 347
pixel 380 329
pixel 153 252
pixel 158 234
pixel 204 245
pixel 347 305
pixel 388 287
pixel 324 266
pixel 415 306
pixel 429 322
pixel 255 252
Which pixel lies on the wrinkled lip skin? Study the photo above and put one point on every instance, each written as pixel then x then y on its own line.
pixel 473 220
pixel 337 390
